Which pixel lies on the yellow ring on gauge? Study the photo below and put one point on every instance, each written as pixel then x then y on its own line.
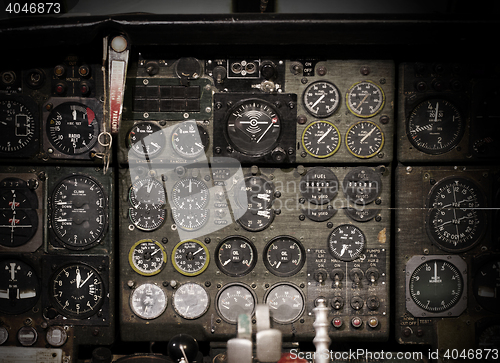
pixel 140 265
pixel 380 105
pixel 317 155
pixel 190 261
pixel 373 153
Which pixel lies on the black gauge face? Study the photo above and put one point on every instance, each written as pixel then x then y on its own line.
pixel 346 242
pixel 319 185
pixel 79 216
pixel 191 301
pixel 321 99
pixel 364 139
pixel 190 193
pixel 455 221
pixel 362 185
pixel 147 257
pixel 17 126
pixel 256 194
pixel 19 286
pixel 77 291
pixel 321 139
pixel 190 257
pixel 190 220
pixel 72 128
pixel 190 140
pixel 487 285
pixel 286 303
pixel 253 127
pixel 233 300
pixel 284 256
pixel 147 220
pixel 435 126
pixel 365 99
pixel 436 285
pixel 146 139
pixel 148 301
pixel 236 256
pixel 147 193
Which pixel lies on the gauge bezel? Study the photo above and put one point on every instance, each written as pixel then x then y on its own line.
pixel 335 106
pixel 183 315
pixel 304 301
pixel 132 262
pixel 296 269
pixel 199 153
pixel 179 269
pixel 142 154
pixel 252 248
pixel 224 288
pixel 382 104
pixel 364 156
pixel 144 317
pixel 303 139
pixel 358 252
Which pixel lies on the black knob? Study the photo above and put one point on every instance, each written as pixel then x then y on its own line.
pixel 102 355
pixel 268 70
pixel 278 154
pixel 152 68
pixel 182 346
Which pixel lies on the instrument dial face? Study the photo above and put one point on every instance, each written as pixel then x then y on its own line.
pixel 346 242
pixel 233 300
pixel 147 220
pixel 321 99
pixel 362 185
pixel 319 185
pixel 19 286
pixel 365 99
pixel 190 140
pixel 17 126
pixel 77 290
pixel 487 285
pixel 147 193
pixel 435 126
pixel 190 193
pixel 364 139
pixel 253 127
pixel 190 257
pixel 436 285
pixel 284 256
pixel 147 257
pixel 256 194
pixel 455 221
pixel 190 220
pixel 286 303
pixel 191 300
pixel 79 216
pixel 321 139
pixel 148 301
pixel 146 139
pixel 236 256
pixel 72 128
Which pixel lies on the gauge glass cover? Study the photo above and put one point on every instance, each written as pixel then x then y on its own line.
pixel 286 303
pixel 236 256
pixel 233 300
pixel 346 242
pixel 321 99
pixel 191 300
pixel 190 257
pixel 146 139
pixel 147 257
pixel 364 139
pixel 365 99
pixel 284 256
pixel 148 301
pixel 321 139
pixel 190 140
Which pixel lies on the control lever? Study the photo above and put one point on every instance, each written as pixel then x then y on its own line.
pixel 267 340
pixel 322 339
pixel 239 349
pixel 182 348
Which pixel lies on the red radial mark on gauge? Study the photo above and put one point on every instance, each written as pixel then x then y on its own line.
pixel 90 115
pixel 274 120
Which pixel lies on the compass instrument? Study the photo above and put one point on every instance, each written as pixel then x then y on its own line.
pixel 284 256
pixel 190 140
pixel 190 257
pixel 321 99
pixel 17 126
pixel 19 286
pixel 236 256
pixel 286 303
pixel 235 299
pixel 147 257
pixel 321 139
pixel 146 139
pixel 346 242
pixel 148 301
pixel 256 194
pixel 365 99
pixel 190 300
pixel 364 139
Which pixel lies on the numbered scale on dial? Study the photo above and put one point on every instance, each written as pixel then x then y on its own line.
pixel 146 139
pixel 147 257
pixel 190 198
pixel 148 301
pixel 190 257
pixel 236 256
pixel 364 139
pixel 235 299
pixel 286 303
pixel 190 140
pixel 256 194
pixel 19 286
pixel 321 99
pixel 190 300
pixel 365 99
pixel 284 256
pixel 321 139
pixel 17 126
pixel 346 242
pixel 147 198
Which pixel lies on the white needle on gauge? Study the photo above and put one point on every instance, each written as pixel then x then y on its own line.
pixel 78 279
pixel 89 276
pixel 367 135
pixel 344 248
pixel 318 101
pixel 3 123
pixel 226 262
pixel 201 249
pixel 437 110
pixel 363 100
pixel 324 135
pixel 435 271
pixel 155 252
pixel 273 121
pixel 150 186
pixel 74 115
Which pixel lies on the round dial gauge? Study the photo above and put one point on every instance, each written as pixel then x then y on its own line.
pixel 346 242
pixel 364 139
pixel 435 126
pixel 233 300
pixel 147 257
pixel 72 128
pixel 190 140
pixel 362 185
pixel 321 139
pixel 148 301
pixel 190 300
pixel 236 256
pixel 455 221
pixel 286 303
pixel 436 285
pixel 321 99
pixel 256 195
pixel 487 286
pixel 147 220
pixel 319 185
pixel 146 139
pixel 190 193
pixel 365 99
pixel 17 126
pixel 19 286
pixel 190 257
pixel 79 215
pixel 284 256
pixel 190 220
pixel 77 290
pixel 147 193
pixel 253 127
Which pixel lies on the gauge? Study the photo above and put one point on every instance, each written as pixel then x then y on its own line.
pixel 284 256
pixel 146 139
pixel 364 139
pixel 148 301
pixel 435 126
pixel 321 99
pixel 147 257
pixel 253 127
pixel 346 242
pixel 190 220
pixel 190 140
pixel 321 139
pixel 233 300
pixel 319 185
pixel 487 286
pixel 72 128
pixel 79 212
pixel 190 193
pixel 256 194
pixel 147 220
pixel 455 221
pixel 77 290
pixel 236 256
pixel 362 185
pixel 286 303
pixel 147 193
pixel 19 287
pixel 365 99
pixel 190 300
pixel 17 126
pixel 190 257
